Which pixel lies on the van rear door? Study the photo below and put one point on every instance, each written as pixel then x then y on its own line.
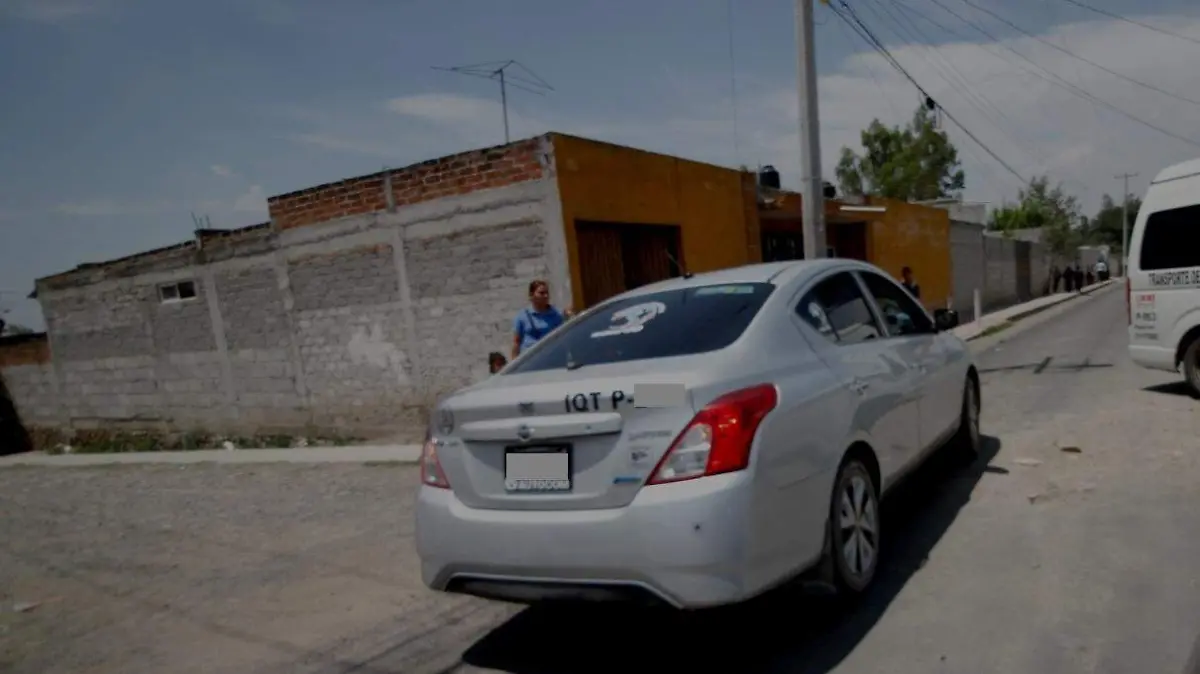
pixel 1164 271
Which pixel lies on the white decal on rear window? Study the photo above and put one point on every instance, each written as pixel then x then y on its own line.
pixel 631 319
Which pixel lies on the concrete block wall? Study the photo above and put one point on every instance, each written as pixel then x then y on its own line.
pixel 967 266
pixel 989 262
pixel 28 376
pixel 1000 272
pixel 355 323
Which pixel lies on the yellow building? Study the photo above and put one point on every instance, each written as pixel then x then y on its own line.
pixel 630 215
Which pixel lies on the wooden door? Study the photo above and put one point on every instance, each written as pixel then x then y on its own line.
pixel 850 240
pixel 1024 270
pixel 650 254
pixel 601 262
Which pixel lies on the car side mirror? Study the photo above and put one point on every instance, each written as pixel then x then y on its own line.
pixel 945 319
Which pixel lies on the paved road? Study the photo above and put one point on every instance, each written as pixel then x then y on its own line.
pixel 1037 560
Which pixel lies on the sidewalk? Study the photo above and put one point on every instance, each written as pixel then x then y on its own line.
pixel 975 329
pixel 349 454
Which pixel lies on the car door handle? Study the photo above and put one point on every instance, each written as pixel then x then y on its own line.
pixel 859 386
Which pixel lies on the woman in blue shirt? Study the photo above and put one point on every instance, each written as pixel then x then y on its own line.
pixel 537 320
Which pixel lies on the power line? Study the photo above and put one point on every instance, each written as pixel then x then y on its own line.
pixel 1050 76
pixel 1118 17
pixel 1072 54
pixel 1041 159
pixel 871 72
pixel 955 78
pixel 879 46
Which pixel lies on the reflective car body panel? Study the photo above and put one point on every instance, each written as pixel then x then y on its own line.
pixel 550 462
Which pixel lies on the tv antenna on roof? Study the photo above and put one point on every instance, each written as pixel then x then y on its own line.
pixel 497 70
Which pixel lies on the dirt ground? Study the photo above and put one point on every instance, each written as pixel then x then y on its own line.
pixel 141 569
pixel 1071 546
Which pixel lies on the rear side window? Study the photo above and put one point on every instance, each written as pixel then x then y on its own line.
pixel 1171 239
pixel 902 315
pixel 659 325
pixel 837 309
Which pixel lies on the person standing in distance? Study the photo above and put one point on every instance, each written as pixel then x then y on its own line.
pixel 537 320
pixel 910 285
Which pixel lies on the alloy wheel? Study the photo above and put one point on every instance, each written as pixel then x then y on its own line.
pixel 858 521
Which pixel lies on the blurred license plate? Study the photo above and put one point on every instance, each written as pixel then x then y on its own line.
pixel 537 469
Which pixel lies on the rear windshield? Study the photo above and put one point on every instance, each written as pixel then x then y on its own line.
pixel 660 325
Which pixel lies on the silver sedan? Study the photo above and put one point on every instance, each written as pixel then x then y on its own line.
pixel 695 442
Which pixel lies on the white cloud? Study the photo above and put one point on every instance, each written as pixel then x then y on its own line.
pixel 1034 126
pixel 443 108
pixel 221 171
pixel 336 143
pixel 253 201
pixel 51 11
pixel 111 207
pixel 114 207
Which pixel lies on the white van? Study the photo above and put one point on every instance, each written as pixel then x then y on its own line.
pixel 1162 286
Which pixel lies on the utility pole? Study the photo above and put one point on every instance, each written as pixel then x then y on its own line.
pixel 496 71
pixel 810 134
pixel 1125 220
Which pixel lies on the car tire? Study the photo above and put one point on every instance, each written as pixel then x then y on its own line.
pixel 967 440
pixel 1191 366
pixel 854 528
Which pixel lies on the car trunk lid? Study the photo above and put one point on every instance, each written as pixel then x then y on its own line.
pixel 562 440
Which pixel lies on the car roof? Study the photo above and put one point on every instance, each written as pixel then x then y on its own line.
pixel 1184 169
pixel 778 273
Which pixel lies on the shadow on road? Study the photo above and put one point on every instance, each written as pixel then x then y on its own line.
pixel 786 630
pixel 1175 388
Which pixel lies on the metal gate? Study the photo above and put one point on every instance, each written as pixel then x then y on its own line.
pixel 1023 252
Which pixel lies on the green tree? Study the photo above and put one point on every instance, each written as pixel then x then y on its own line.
pixel 915 163
pixel 1105 227
pixel 1041 206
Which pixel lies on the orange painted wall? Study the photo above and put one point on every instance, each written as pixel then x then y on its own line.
pixel 609 183
pixel 915 236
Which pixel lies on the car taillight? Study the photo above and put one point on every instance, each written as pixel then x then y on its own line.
pixel 431 471
pixel 1128 302
pixel 718 439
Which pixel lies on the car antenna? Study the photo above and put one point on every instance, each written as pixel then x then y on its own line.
pixel 686 273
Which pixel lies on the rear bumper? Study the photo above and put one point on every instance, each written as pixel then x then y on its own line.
pixel 1153 357
pixel 681 544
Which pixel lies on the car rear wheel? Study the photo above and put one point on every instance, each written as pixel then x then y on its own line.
pixel 854 528
pixel 967 440
pixel 1191 366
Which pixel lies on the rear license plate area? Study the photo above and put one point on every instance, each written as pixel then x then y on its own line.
pixel 537 469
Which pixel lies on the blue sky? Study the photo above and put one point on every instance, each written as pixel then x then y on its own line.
pixel 122 117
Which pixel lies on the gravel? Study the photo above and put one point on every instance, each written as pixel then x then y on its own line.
pixel 268 568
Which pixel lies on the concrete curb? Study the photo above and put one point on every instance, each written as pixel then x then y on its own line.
pixel 1012 315
pixel 1031 319
pixel 310 455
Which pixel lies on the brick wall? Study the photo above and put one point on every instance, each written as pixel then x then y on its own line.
pixel 353 325
pixel 462 317
pixel 434 179
pixel 28 377
pixel 350 332
pixel 264 380
pixel 24 350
